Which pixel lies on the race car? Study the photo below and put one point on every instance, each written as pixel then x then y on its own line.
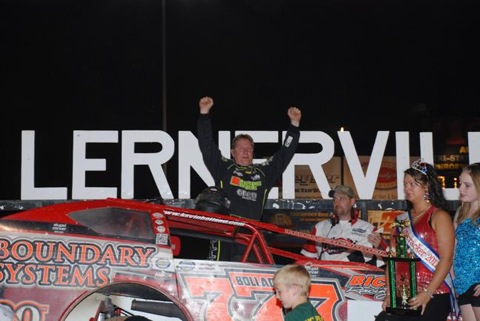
pixel 117 259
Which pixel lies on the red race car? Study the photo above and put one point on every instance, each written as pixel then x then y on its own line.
pixel 117 259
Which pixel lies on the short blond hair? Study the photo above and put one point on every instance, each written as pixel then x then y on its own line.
pixel 293 274
pixel 242 136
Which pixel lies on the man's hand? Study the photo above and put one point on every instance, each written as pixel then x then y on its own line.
pixel 205 104
pixel 295 115
pixel 375 238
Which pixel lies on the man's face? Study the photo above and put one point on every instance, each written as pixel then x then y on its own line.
pixel 342 205
pixel 242 153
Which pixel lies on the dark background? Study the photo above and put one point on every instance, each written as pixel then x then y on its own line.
pixel 116 65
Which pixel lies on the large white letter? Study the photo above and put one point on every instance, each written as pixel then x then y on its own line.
pixel 153 160
pixel 313 160
pixel 426 147
pixel 402 145
pixel 365 184
pixel 473 147
pixel 189 155
pixel 81 164
pixel 28 189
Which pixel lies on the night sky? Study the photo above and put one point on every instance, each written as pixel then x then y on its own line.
pixel 364 65
pixel 344 62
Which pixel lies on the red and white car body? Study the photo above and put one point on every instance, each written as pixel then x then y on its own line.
pixel 114 258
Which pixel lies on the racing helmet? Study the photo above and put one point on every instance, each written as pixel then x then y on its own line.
pixel 213 199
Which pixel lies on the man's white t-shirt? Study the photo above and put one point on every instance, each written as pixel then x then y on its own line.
pixel 356 233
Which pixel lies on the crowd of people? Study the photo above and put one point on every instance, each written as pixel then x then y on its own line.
pixel 447 248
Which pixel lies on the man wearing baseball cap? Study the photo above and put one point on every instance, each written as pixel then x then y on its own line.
pixel 344 224
pixel 342 189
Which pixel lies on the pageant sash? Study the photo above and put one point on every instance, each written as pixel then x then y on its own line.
pixel 428 256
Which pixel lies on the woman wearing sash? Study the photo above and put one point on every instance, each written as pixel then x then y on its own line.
pixel 466 263
pixel 430 237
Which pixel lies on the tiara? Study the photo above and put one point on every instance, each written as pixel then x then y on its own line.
pixel 420 165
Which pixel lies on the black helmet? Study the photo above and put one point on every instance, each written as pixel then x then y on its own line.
pixel 213 199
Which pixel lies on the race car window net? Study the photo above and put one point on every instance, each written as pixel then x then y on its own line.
pixel 116 221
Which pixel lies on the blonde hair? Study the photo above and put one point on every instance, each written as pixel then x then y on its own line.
pixel 293 274
pixel 242 136
pixel 474 171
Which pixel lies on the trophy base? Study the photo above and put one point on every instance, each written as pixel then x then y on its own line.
pixel 403 311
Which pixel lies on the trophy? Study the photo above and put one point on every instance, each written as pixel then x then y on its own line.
pixel 401 274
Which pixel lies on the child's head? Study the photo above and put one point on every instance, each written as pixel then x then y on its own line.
pixel 291 283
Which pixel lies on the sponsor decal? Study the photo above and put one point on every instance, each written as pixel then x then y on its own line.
pixel 235 181
pixel 162 263
pixel 199 217
pixel 157 215
pixel 59 228
pixel 337 242
pixel 161 239
pixel 66 264
pixel 247 185
pixel 186 265
pixel 367 284
pixel 248 294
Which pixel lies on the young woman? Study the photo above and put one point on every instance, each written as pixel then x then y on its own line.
pixel 430 237
pixel 466 263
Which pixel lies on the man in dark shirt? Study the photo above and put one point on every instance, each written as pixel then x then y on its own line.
pixel 246 184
